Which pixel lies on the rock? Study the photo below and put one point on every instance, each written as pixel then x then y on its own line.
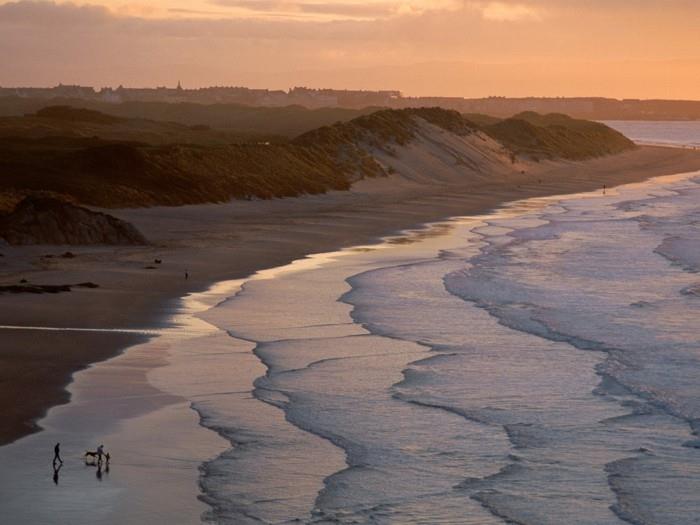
pixel 35 289
pixel 45 220
pixel 43 288
pixel 87 285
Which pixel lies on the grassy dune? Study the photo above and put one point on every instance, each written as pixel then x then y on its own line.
pixel 555 135
pixel 288 121
pixel 65 121
pixel 95 159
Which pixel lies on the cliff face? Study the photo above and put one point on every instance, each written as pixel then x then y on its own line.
pixel 43 220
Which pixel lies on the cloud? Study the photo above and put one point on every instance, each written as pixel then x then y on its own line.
pixel 361 10
pixel 36 12
pixel 197 12
pixel 509 12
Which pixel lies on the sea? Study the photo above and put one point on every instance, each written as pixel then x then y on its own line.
pixel 536 365
pixel 660 133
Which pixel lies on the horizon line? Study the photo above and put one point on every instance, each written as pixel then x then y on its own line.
pixel 400 94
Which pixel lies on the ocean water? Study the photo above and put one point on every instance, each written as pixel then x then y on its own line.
pixel 662 133
pixel 538 365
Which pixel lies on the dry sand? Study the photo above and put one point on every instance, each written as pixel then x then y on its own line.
pixel 228 241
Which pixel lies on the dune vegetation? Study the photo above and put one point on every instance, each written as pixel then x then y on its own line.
pixel 66 121
pixel 288 121
pixel 553 136
pixel 101 160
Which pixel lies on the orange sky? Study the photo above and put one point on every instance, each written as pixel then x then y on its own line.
pixel 619 48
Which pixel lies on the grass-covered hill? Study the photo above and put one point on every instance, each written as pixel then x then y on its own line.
pixel 71 122
pixel 99 171
pixel 111 161
pixel 128 174
pixel 551 136
pixel 288 121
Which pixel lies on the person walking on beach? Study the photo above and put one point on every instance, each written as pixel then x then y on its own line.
pixel 57 454
pixel 100 453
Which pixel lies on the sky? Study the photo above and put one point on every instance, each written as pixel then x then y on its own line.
pixel 468 48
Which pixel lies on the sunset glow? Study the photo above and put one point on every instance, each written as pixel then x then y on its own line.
pixel 446 47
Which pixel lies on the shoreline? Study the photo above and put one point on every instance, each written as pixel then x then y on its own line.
pixel 326 325
pixel 145 403
pixel 238 238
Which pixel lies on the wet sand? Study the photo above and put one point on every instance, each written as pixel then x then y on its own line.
pixel 228 241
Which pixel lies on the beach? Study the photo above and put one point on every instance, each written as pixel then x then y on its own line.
pixel 221 242
pixel 143 309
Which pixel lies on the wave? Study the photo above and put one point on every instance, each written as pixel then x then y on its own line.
pixel 521 377
pixel 580 279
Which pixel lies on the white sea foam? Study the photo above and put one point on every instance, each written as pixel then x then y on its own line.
pixel 593 277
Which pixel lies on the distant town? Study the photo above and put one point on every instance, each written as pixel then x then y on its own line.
pixel 310 98
pixel 582 107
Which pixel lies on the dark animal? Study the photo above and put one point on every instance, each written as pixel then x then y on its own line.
pixel 95 455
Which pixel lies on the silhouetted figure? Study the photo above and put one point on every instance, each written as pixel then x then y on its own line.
pixel 57 454
pixel 603 189
pixel 56 469
pixel 100 453
pixel 187 275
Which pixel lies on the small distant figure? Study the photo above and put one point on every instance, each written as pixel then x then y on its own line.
pixel 603 189
pixel 100 464
pixel 187 275
pixel 57 454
